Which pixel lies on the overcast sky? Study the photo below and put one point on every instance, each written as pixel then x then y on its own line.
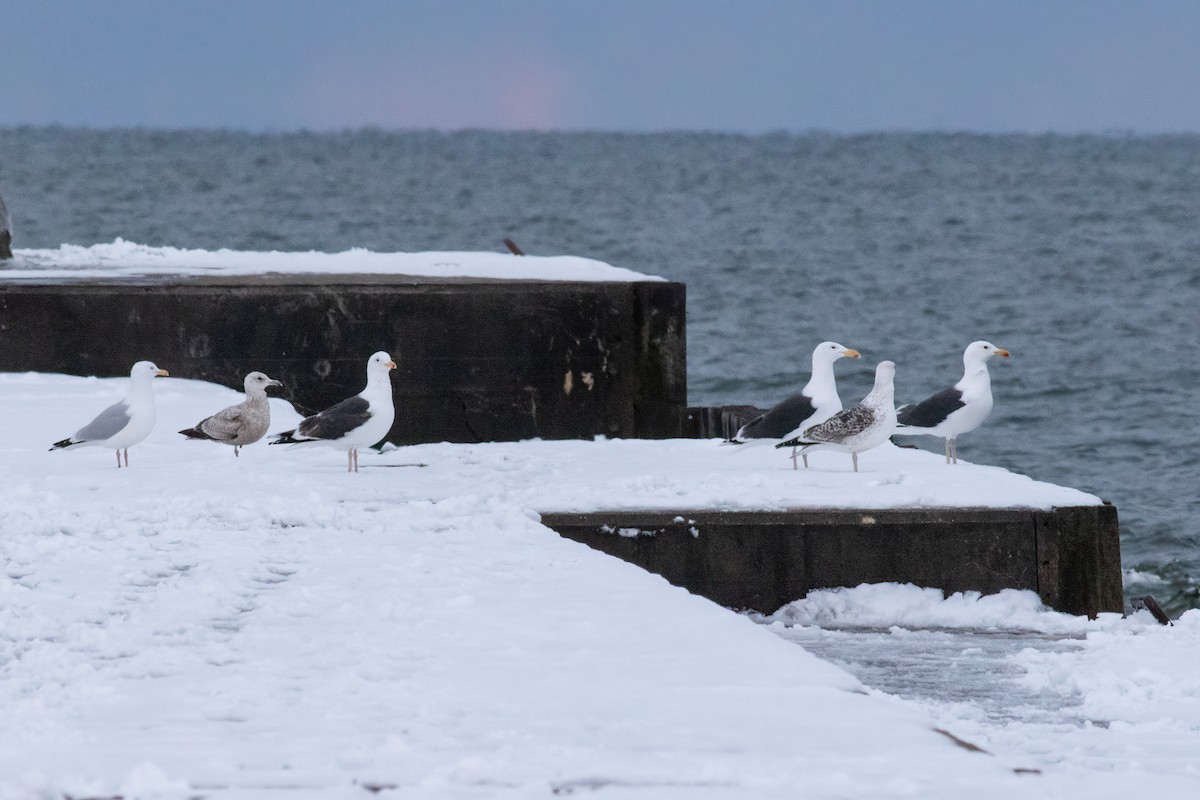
pixel 633 65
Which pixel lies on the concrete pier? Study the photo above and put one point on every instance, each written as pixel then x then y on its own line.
pixel 504 360
pixel 479 360
pixel 761 560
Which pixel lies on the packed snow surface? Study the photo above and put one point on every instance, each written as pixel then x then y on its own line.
pixel 1113 703
pixel 122 259
pixel 271 626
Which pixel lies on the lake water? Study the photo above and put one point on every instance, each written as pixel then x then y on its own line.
pixel 1081 255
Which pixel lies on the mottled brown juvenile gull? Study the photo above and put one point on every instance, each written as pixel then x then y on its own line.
pixel 959 409
pixel 860 427
pixel 243 424
pixel 817 402
pixel 123 424
pixel 360 421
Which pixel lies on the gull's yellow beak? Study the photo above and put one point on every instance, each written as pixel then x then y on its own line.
pixel 851 353
pixel 162 373
pixel 390 365
pixel 1000 351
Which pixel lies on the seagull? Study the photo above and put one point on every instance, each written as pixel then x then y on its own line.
pixel 360 421
pixel 123 424
pixel 960 409
pixel 243 424
pixel 858 428
pixel 817 402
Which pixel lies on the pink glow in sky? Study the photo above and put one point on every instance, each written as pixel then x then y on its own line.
pixel 456 90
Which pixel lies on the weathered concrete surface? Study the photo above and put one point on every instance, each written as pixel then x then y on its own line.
pixel 717 422
pixel 478 360
pixel 1079 556
pixel 5 232
pixel 762 560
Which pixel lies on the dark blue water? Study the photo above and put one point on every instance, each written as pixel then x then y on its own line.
pixel 1081 255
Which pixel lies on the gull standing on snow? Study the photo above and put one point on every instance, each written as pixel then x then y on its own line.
pixel 360 421
pixel 858 428
pixel 243 424
pixel 817 402
pixel 960 409
pixel 123 424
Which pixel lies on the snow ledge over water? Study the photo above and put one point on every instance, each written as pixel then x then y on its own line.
pixel 122 259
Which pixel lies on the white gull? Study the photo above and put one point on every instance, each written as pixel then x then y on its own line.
pixel 123 424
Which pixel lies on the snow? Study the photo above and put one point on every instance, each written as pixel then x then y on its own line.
pixel 887 605
pixel 1125 690
pixel 122 259
pixel 271 626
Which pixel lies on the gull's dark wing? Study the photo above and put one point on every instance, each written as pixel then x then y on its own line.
pixel 336 421
pixel 781 420
pixel 932 411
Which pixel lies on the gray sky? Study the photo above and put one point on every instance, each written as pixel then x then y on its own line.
pixel 636 65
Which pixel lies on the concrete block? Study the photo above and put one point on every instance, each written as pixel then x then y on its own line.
pixel 478 360
pixel 1079 558
pixel 762 560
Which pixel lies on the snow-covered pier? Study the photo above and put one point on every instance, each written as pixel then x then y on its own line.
pixel 271 626
pixel 489 346
pixel 496 347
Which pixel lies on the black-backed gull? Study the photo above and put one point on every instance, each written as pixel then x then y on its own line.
pixel 360 421
pixel 816 402
pixel 960 409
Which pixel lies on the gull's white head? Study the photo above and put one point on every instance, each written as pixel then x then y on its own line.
pixel 380 361
pixel 885 373
pixel 146 370
pixel 980 351
pixel 832 351
pixel 259 381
